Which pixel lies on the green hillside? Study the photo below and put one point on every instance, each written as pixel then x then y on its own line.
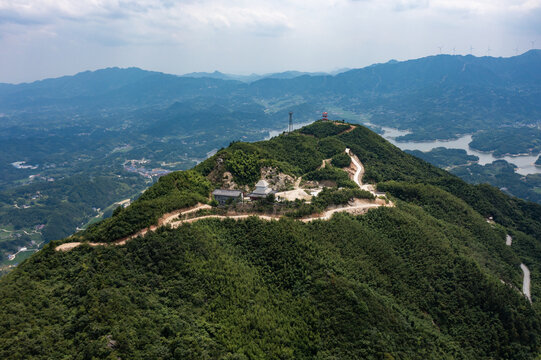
pixel 93 124
pixel 426 276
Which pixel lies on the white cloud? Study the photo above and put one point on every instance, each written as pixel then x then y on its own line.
pixel 150 15
pixel 243 35
pixel 487 7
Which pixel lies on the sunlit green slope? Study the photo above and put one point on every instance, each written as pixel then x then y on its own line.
pixel 429 278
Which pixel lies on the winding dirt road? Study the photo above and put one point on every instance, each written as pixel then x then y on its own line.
pixel 359 174
pixel 167 218
pixel 358 207
pixel 172 218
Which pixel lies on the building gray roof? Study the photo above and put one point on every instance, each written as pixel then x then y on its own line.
pixel 262 191
pixel 261 195
pixel 262 183
pixel 229 193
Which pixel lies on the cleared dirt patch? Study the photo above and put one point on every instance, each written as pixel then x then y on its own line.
pixel 292 195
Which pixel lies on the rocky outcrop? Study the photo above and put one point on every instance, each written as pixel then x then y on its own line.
pixel 277 180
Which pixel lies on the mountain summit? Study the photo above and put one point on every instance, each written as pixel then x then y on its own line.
pixel 424 272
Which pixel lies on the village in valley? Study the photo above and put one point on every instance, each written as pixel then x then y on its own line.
pixel 137 166
pixel 24 243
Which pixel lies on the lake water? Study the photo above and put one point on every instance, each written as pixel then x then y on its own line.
pixel 525 163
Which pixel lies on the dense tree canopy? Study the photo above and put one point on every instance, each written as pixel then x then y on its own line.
pixel 427 279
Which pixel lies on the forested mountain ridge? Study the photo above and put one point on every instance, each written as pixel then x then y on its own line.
pixel 429 278
pixel 484 77
pixel 96 123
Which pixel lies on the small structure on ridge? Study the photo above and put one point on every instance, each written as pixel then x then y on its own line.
pixel 223 196
pixel 261 191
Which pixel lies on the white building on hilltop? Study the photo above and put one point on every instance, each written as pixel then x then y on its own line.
pixel 261 191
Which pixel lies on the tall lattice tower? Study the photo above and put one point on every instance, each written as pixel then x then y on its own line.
pixel 290 129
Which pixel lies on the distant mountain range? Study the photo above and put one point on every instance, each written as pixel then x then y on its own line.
pixel 255 77
pixel 436 96
pixel 82 129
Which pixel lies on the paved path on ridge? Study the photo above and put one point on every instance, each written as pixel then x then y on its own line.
pixel 526 282
pixel 359 173
pixel 526 288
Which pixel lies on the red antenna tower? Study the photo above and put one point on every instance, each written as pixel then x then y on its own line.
pixel 325 116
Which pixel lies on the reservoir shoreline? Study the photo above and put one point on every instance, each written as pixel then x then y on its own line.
pixel 525 162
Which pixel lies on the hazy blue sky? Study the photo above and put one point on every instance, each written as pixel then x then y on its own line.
pixel 46 38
